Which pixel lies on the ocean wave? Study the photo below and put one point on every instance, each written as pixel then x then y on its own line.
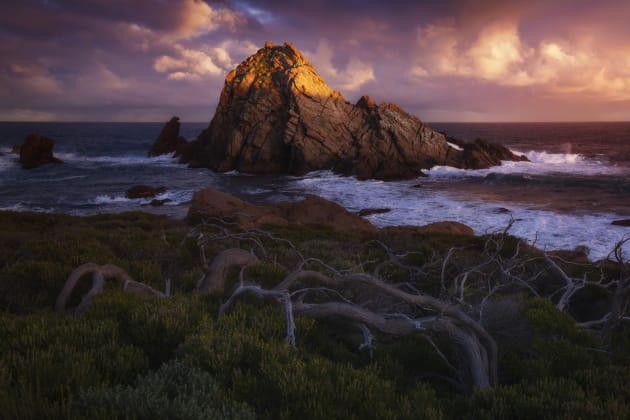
pixel 176 197
pixel 123 160
pixel 21 207
pixel 541 163
pixel 419 206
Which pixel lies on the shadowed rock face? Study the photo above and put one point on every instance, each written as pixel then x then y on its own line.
pixel 37 151
pixel 169 140
pixel 277 115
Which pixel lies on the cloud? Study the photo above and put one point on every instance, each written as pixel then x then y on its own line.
pixel 500 55
pixel 196 17
pixel 203 61
pixel 350 79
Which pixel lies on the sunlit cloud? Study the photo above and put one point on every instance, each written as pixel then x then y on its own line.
pixel 195 64
pixel 349 79
pixel 25 115
pixel 196 17
pixel 499 55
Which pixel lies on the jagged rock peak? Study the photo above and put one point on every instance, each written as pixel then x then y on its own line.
pixel 277 115
pixel 277 67
pixel 366 102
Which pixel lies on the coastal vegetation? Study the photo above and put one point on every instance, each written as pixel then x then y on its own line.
pixel 549 329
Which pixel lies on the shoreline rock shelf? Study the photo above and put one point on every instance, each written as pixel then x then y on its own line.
pixel 276 115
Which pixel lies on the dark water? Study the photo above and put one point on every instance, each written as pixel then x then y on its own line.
pixel 579 176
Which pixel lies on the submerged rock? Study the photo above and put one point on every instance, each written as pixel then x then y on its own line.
pixel 367 212
pixel 144 191
pixel 37 151
pixel 169 140
pixel 155 202
pixel 277 115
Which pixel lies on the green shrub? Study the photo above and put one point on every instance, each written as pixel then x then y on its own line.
pixel 548 398
pixel 46 358
pixel 246 351
pixel 174 391
pixel 556 346
pixel 155 325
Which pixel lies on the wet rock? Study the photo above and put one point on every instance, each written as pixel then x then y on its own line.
pixel 169 140
pixel 156 203
pixel 144 191
pixel 37 151
pixel 482 154
pixel 622 222
pixel 367 212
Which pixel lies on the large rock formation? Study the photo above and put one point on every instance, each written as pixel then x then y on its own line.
pixel 277 115
pixel 37 151
pixel 313 210
pixel 169 140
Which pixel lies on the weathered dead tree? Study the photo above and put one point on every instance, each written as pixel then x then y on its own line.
pixel 388 309
pixel 214 276
pixel 100 273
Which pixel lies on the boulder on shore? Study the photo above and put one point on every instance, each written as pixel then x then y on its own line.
pixel 209 204
pixel 313 210
pixel 277 115
pixel 37 151
pixel 144 191
pixel 169 140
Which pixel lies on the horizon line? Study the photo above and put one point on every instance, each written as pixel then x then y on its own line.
pixel 207 122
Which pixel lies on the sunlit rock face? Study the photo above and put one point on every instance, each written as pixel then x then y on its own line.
pixel 277 115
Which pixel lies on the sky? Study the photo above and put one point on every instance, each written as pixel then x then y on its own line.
pixel 449 60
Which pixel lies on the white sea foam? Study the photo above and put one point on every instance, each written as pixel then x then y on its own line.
pixel 123 160
pixel 177 197
pixel 7 161
pixel 454 146
pixel 109 199
pixel 410 206
pixel 540 163
pixel 23 207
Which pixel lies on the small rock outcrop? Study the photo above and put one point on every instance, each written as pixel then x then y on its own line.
pixel 481 154
pixel 144 191
pixel 169 140
pixel 622 222
pixel 313 210
pixel 277 115
pixel 37 151
pixel 370 211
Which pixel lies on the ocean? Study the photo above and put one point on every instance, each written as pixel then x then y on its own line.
pixel 577 183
